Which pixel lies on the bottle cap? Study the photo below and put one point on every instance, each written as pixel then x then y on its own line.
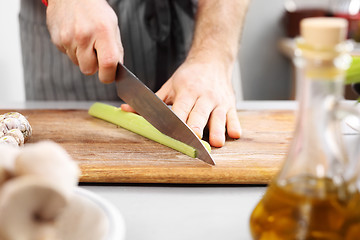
pixel 323 31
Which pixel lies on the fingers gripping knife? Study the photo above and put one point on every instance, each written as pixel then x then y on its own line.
pixel 144 101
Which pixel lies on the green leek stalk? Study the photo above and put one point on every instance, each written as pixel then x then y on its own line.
pixel 137 124
pixel 353 73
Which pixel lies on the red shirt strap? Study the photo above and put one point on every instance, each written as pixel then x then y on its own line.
pixel 45 2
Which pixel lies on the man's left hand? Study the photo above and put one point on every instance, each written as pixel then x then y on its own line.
pixel 199 95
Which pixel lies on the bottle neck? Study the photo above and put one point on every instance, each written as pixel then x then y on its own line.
pixel 316 149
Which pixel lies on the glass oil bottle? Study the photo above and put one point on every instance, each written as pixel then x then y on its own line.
pixel 315 195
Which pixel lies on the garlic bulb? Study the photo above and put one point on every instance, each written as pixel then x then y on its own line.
pixel 9 140
pixel 3 129
pixel 17 134
pixel 16 127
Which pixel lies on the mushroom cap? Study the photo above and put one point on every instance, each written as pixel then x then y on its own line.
pixel 82 219
pixel 3 175
pixel 50 161
pixel 7 157
pixel 29 206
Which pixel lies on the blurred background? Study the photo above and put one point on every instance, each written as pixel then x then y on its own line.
pixel 266 69
pixel 11 74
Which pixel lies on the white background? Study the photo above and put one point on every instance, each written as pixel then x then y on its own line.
pixel 11 72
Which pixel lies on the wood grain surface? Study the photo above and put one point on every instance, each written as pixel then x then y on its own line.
pixel 109 154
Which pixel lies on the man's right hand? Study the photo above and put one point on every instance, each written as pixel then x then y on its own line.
pixel 88 32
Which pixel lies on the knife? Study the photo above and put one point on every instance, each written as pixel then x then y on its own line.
pixel 145 102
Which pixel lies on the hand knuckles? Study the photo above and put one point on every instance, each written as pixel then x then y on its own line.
pixel 82 36
pixel 105 27
pixel 65 38
pixel 180 109
pixel 114 19
pixel 201 113
pixel 102 28
pixel 55 38
pixel 109 60
pixel 88 69
pixel 219 112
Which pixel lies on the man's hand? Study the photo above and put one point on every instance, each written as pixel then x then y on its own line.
pixel 200 89
pixel 87 31
pixel 201 93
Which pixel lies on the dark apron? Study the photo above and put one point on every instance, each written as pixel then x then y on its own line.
pixel 156 36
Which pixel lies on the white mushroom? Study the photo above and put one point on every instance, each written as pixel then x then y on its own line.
pixel 50 161
pixel 3 175
pixel 7 158
pixel 38 200
pixel 82 219
pixel 28 208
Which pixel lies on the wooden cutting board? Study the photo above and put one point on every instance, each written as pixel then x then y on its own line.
pixel 107 153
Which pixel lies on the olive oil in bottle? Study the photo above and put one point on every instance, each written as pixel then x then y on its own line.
pixel 315 195
pixel 307 208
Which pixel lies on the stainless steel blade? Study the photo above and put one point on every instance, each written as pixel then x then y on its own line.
pixel 145 102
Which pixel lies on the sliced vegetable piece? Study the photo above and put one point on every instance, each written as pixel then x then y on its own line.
pixel 137 124
pixel 353 73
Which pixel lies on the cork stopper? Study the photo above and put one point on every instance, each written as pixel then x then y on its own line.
pixel 323 31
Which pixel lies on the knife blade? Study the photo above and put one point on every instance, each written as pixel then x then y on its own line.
pixel 145 102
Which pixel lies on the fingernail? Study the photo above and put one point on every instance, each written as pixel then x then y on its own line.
pixel 240 132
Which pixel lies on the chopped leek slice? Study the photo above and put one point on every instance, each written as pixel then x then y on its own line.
pixel 137 124
pixel 353 73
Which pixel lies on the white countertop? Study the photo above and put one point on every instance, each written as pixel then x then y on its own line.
pixel 174 212
pixel 178 212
